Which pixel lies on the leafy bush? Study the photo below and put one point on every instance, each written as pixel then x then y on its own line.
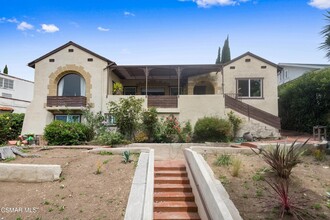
pixel 282 159
pixel 235 122
pixel 94 121
pixel 149 122
pixel 10 126
pixel 212 129
pixel 141 137
pixel 110 138
pixel 305 101
pixel 66 133
pixel 127 114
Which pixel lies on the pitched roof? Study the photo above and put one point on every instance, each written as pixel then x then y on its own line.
pixel 70 43
pixel 252 55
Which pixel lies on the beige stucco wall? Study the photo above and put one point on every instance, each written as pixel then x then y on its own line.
pixel 252 69
pixel 193 107
pixel 37 116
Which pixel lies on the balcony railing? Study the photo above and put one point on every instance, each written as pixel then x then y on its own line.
pixel 68 101
pixel 163 101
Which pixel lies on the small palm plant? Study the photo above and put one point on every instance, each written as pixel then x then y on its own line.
pixel 126 156
pixel 282 159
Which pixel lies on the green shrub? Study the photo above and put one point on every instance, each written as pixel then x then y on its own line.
pixel 149 122
pixel 10 126
pixel 223 160
pixel 212 129
pixel 305 101
pixel 110 138
pixel 65 133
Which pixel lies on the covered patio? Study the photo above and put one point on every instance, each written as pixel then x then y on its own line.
pixel 162 84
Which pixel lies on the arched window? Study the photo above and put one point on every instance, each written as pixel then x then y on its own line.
pixel 71 84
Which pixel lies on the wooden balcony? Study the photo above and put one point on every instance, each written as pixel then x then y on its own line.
pixel 162 101
pixel 68 101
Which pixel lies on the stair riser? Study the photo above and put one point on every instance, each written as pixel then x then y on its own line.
pixel 171 175
pixel 172 190
pixel 187 199
pixel 170 169
pixel 175 209
pixel 171 181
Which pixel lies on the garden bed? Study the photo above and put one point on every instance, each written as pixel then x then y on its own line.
pixel 253 197
pixel 81 193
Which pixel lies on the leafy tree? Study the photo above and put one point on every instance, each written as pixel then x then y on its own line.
pixel 305 101
pixel 149 122
pixel 225 51
pixel 326 35
pixel 5 70
pixel 218 60
pixel 127 114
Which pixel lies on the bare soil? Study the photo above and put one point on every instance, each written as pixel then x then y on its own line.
pixel 80 194
pixel 254 198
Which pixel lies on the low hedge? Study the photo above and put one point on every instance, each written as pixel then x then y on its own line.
pixel 65 133
pixel 212 129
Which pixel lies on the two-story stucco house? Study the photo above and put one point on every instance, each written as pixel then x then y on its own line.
pixel 71 76
pixel 15 94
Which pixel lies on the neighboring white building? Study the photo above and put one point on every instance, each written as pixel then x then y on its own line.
pixel 291 71
pixel 15 93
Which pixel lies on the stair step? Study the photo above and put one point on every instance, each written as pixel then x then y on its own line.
pixel 172 188
pixel 159 168
pixel 173 196
pixel 175 206
pixel 170 173
pixel 176 215
pixel 171 180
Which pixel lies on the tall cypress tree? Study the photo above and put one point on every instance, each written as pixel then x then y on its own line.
pixel 225 51
pixel 218 60
pixel 5 70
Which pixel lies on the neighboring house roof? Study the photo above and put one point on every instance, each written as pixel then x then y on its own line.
pixel 305 65
pixel 252 55
pixel 13 77
pixel 70 43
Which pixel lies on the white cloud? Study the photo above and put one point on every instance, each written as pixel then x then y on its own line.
pixel 103 29
pixel 9 20
pixel 320 4
pixel 210 3
pixel 24 26
pixel 127 13
pixel 49 28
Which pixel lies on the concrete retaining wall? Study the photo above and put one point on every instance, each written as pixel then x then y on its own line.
pixel 213 201
pixel 29 172
pixel 140 201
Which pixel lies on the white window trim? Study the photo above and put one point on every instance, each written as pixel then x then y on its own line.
pixel 249 88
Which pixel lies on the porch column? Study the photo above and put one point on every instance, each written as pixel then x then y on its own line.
pixel 178 71
pixel 146 71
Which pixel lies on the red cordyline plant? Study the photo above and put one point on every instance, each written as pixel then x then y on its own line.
pixel 287 204
pixel 282 159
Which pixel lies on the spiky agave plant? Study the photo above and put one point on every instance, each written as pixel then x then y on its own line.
pixel 126 156
pixel 282 159
pixel 286 203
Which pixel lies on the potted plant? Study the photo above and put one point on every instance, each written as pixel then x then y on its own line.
pixel 117 88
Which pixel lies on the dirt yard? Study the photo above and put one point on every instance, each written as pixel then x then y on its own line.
pixel 79 194
pixel 254 198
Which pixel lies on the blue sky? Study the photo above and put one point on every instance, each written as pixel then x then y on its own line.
pixel 161 31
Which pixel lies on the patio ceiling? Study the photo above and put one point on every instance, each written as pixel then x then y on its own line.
pixel 163 71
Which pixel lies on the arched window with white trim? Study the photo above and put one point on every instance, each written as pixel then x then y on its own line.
pixel 71 84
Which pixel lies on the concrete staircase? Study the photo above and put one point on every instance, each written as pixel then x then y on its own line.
pixel 173 197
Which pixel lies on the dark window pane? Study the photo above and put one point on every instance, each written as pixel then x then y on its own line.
pixel 255 88
pixel 199 90
pixel 71 85
pixel 129 91
pixel 243 88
